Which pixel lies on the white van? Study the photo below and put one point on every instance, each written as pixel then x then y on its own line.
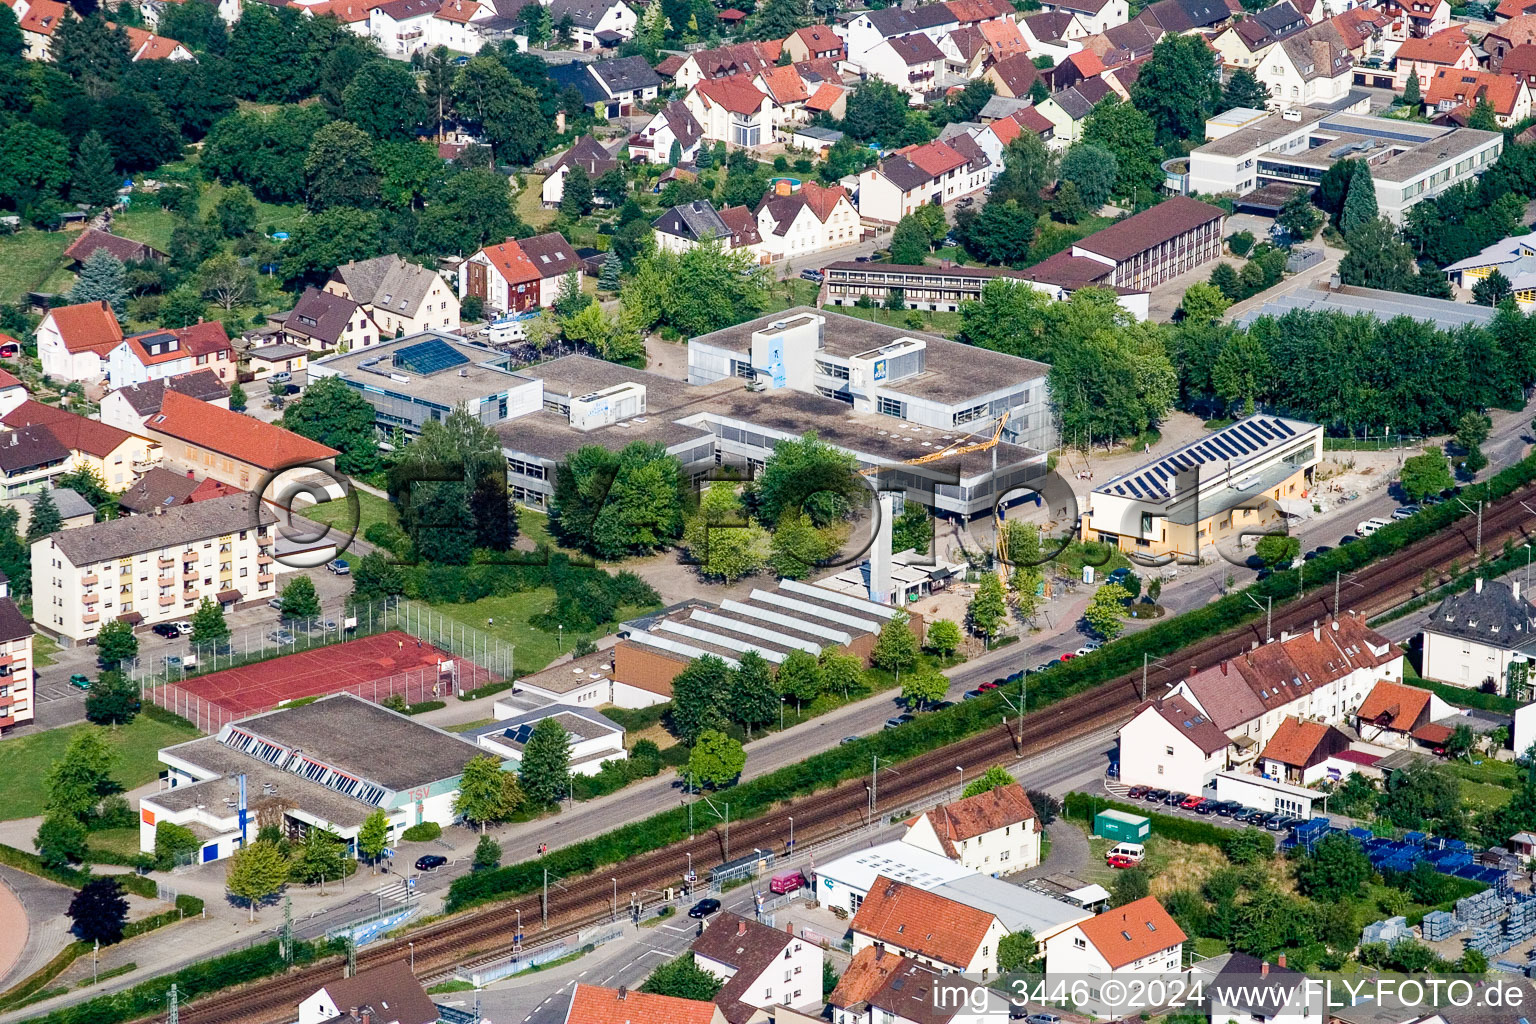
pixel 507 330
pixel 1132 851
pixel 1370 526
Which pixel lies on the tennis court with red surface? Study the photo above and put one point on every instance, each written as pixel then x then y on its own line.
pixel 331 669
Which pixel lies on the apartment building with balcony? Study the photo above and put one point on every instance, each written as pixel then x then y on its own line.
pixel 16 705
pixel 115 455
pixel 146 569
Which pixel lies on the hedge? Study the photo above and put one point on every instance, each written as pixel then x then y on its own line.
pixel 488 689
pixel 425 832
pixel 149 997
pixel 426 705
pixel 1169 826
pixel 75 878
pixel 826 769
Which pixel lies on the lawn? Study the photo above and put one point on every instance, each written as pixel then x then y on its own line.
pixel 466 726
pixel 946 324
pixel 145 221
pixel 29 257
pixel 24 761
pixel 511 614
pixel 1483 796
pixel 530 203
pixel 43 649
pixel 122 841
pixel 371 509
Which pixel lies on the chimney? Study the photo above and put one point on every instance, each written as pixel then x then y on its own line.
pixel 1516 588
pixel 1264 969
pixel 1280 960
pixel 623 993
pixel 1224 666
pixel 1317 631
pixel 367 1017
pixel 789 927
pixel 1335 625
pixel 741 928
pixel 879 953
pixel 1478 586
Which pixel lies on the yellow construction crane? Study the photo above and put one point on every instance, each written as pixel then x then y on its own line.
pixel 955 449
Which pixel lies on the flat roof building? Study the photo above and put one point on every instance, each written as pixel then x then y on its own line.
pixel 1231 482
pixel 1409 162
pixel 1140 252
pixel 328 764
pixel 941 287
pixel 594 738
pixel 1350 300
pixel 845 882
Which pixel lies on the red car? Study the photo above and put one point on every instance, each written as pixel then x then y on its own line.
pixel 1069 656
pixel 1136 792
pixel 1191 802
pixel 1120 862
pixel 987 686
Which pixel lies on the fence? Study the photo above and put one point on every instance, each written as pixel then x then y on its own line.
pixel 1368 442
pixel 480 659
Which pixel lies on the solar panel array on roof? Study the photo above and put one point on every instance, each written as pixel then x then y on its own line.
pixel 429 357
pixel 1235 443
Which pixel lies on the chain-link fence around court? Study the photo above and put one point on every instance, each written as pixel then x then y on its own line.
pixel 253 680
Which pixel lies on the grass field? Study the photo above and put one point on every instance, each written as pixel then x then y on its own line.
pixel 535 647
pixel 145 221
pixel 122 841
pixel 44 647
pixel 28 259
pixel 371 509
pixel 24 761
pixel 530 203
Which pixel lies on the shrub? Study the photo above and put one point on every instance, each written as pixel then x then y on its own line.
pixel 423 833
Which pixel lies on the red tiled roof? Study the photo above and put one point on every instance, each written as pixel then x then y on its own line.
pixel 124 249
pixel 147 45
pixel 785 85
pixel 865 975
pixel 211 488
pixel 203 338
pixel 231 433
pixel 821 38
pixel 460 11
pixel 1018 73
pixel 977 815
pixel 735 93
pixel 1087 62
pixel 7 379
pixel 1139 232
pixel 1394 706
pixel 75 432
pixel 1003 37
pixel 1358 25
pixel 822 201
pixel 1433 733
pixel 825 97
pixel 929 925
pixel 1514 8
pixel 1518 30
pixel 593 1005
pixel 43 16
pixel 1453 85
pixel 1520 62
pixel 1444 47
pixel 731 14
pixel 935 158
pixel 87 327
pixel 669 66
pixel 511 262
pixel 343 10
pixel 1132 932
pixel 1295 742
pixel 1198 728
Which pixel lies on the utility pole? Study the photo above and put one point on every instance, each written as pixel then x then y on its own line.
pixel 173 1011
pixel 1147 659
pixel 1479 511
pixel 287 929
pixel 545 900
pixel 1338 578
pixel 1269 614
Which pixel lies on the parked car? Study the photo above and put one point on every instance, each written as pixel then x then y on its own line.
pixel 1119 575
pixel 1244 814
pixel 280 636
pixel 1068 656
pixel 1190 802
pixel 941 705
pixel 1405 512
pixel 339 567
pixel 276 604
pixel 1275 822
pixel 1321 549
pixel 786 882
pixel 167 630
pixel 849 739
pixel 704 908
pixel 79 680
pixel 984 687
pixel 812 275
pixel 430 862
pixel 1120 862
pixel 1136 792
pixel 1156 796
pixel 1175 799
pixel 1091 645
pixel 1227 808
pixel 1433 499
pixel 898 721
pixel 971 695
pixel 1348 538
pixel 1206 806
pixel 1367 527
pixel 183 627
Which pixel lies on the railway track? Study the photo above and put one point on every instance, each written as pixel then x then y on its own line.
pixel 485 934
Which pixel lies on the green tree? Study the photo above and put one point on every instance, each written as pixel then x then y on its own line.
pixel 716 759
pixel 545 770
pixel 90 51
pixel 1122 129
pixel 373 836
pixel 754 697
pixel 988 610
pixel 338 171
pixel 318 857
pixel 1001 234
pixel 841 673
pixel 256 873
pixel 896 646
pixel 1243 372
pixel 682 978
pixel 340 417
pixel 1412 97
pixel 375 576
pixel 1178 87
pixel 1427 474
pixel 722 540
pixel 699 696
pixel 910 243
pixel 1203 303
pixel 797 547
pixel 1105 610
pixel 1092 169
pixel 507 110
pixel 115 643
pixel 1335 870
pixel 94 179
pixel 576 194
pixel 482 795
pixel 807 474
pixel 174 845
pixel 384 100
pixel 1492 290
pixel 943 636
pixel 112 700
pixel 608 280
pixel 1019 953
pixel 1027 170
pixel 1483 116
pixel 1247 846
pixel 799 677
pixel 45 517
pixel 60 840
pixel 1299 217
pixel 1459 745
pixel 237 397
pixel 34 165
pixel 225 280
pixel 776 19
pixel 487 854
pixel 1471 430
pixel 1377 257
pixel 1243 89
pixel 920 689
pixel 300 601
pixel 1359 205
pixel 102 279
pixel 701 290
pixel 1277 550
pixel 99 912
pixel 994 777
pixel 876 111
pixel 235 211
pixel 1129 886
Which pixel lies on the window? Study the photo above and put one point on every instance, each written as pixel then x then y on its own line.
pixel 1169 750
pixel 890 407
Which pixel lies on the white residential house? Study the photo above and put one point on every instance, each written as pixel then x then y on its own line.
pixel 673 123
pixel 519 274
pixel 942 933
pixel 761 966
pixel 153 355
pixel 589 155
pixel 73 341
pixel 12 392
pixel 813 219
pixel 398 296
pixel 1473 637
pixel 934 172
pixel 1172 745
pixel 732 110
pixel 1312 67
pixel 1405 717
pixel 871 28
pixel 458 25
pixel 910 63
pixel 1244 988
pixel 401 27
pixel 1096 15
pixel 627 82
pixel 595 24
pixel 1138 938
pixel 389 993
pixel 992 832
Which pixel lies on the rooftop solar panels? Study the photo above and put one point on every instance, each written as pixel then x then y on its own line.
pixel 430 356
pixel 1236 443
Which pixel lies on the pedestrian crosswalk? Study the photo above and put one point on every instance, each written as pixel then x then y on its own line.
pixel 396 893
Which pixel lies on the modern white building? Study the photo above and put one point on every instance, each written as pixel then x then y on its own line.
pixel 845 882
pixel 992 832
pixel 594 738
pixel 328 765
pixel 16 694
pixel 1409 162
pixel 1136 939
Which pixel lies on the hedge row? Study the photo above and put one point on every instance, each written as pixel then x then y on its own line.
pixel 75 878
pixel 826 769
pixel 149 997
pixel 1169 826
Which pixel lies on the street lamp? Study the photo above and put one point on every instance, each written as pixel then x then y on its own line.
pixel 791 832
pixel 413 956
pixel 615 899
pixel 560 636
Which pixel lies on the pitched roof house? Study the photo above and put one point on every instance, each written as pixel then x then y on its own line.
pixel 125 249
pixel 723 61
pixel 38 21
pixel 589 155
pixel 1392 713
pixel 1297 751
pixel 733 110
pixel 1096 15
pixel 227 446
pixel 1138 938
pixel 1455 92
pixel 520 274
pixel 400 297
pixel 1473 637
pixel 156 489
pixel 595 24
pixel 686 225
pixel 995 831
pixel 323 321
pixel 813 219
pixel 814 42
pixel 910 62
pixel 673 123
pixel 170 352
pixel 73 341
pixel 930 928
pixel 114 454
pixel 1014 77
pixel 389 994
pixel 593 1005
pixel 1423 57
pixel 761 967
